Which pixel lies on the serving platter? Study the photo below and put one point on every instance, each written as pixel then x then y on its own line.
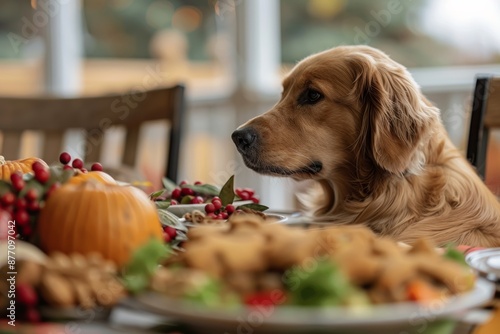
pixel 402 318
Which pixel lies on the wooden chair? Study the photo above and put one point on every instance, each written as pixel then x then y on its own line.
pixel 485 116
pixel 54 116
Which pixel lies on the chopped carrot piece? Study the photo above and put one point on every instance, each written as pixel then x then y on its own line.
pixel 421 291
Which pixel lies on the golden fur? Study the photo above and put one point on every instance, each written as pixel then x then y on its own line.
pixel 377 148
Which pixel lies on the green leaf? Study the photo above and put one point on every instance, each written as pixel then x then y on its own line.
pixel 32 184
pixel 144 261
pixel 162 204
pixel 186 199
pixel 179 239
pixel 168 218
pixel 168 184
pixel 5 187
pixel 227 194
pixel 253 206
pixel 28 176
pixel 455 255
pixel 156 194
pixel 203 189
pixel 66 175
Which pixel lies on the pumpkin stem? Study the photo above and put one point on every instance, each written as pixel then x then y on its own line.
pixel 2 160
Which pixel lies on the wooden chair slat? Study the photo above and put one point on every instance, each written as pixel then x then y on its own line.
pixel 492 116
pixel 11 144
pixel 485 116
pixel 52 146
pixel 93 145
pixel 131 144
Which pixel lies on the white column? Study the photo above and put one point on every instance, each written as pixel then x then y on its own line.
pixel 62 36
pixel 259 45
pixel 259 64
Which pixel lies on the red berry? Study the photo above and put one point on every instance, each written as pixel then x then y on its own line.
pixel 176 193
pixel 7 199
pixel 33 206
pixel 37 165
pixel 42 175
pixel 183 183
pixel 27 231
pixel 26 295
pixel 173 202
pixel 187 192
pixel 77 163
pixel 209 208
pixel 9 210
pixel 215 198
pixel 197 200
pixel 84 170
pixel 172 232
pixel 220 216
pixel 31 195
pixel 21 217
pixel 67 167
pixel 229 209
pixel 15 177
pixel 250 191
pixel 212 215
pixel 217 204
pixel 255 199
pixel 244 196
pixel 20 204
pixel 224 215
pixel 96 167
pixel 32 315
pixel 18 185
pixel 65 158
pixel 166 237
pixel 265 298
pixel 197 183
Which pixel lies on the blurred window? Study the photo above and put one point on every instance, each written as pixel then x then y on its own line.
pixel 148 28
pixel 416 33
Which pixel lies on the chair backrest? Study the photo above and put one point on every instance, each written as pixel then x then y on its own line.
pixel 485 116
pixel 54 116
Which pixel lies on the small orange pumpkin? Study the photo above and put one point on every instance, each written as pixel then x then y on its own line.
pixel 7 168
pixel 88 217
pixel 95 175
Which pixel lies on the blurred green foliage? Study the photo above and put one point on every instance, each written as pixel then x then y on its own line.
pixel 125 28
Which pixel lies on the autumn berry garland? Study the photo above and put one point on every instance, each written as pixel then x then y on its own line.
pixel 26 184
pixel 7 168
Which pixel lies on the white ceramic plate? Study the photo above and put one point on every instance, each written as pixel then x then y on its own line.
pixel 181 209
pixel 381 319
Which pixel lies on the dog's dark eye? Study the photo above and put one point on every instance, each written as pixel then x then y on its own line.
pixel 310 96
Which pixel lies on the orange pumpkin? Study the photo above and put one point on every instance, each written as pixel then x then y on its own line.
pixel 7 168
pixel 95 175
pixel 91 217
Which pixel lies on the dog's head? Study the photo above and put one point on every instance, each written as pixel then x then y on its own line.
pixel 342 108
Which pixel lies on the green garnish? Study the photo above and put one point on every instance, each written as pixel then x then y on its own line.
pixel 324 285
pixel 455 255
pixel 210 293
pixel 137 273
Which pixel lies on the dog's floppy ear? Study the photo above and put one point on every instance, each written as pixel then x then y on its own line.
pixel 396 118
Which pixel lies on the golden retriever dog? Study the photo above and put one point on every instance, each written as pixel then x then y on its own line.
pixel 356 122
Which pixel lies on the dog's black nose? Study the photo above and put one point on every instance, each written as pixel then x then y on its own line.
pixel 244 138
